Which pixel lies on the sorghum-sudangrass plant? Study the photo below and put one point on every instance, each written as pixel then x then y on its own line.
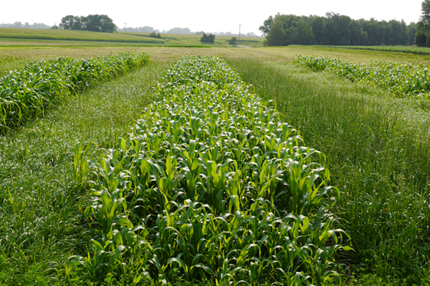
pixel 209 186
pixel 378 150
pixel 402 79
pixel 40 215
pixel 28 92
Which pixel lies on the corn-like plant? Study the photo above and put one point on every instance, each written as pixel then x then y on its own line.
pixel 210 185
pixel 39 85
pixel 403 79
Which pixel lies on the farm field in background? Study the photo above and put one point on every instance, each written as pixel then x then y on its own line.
pixel 376 145
pixel 28 36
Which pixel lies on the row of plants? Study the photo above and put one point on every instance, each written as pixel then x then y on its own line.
pixel 393 49
pixel 28 92
pixel 208 187
pixel 402 79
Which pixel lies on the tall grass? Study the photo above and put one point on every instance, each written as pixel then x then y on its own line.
pixel 378 150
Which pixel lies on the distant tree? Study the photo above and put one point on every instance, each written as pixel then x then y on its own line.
pixel 199 33
pixel 420 39
pixel 207 38
pixel 179 31
pixel 336 29
pixel 277 34
pixel 318 24
pixel 412 30
pixel 55 27
pixel 95 23
pixel 265 28
pixel 155 35
pixel 305 35
pixel 233 41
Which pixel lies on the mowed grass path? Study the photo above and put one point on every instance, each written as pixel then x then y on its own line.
pixel 378 151
pixel 39 207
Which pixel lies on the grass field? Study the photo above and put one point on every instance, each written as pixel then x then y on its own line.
pixel 377 149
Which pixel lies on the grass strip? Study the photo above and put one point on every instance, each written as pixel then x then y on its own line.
pixel 377 148
pixel 28 92
pixel 209 187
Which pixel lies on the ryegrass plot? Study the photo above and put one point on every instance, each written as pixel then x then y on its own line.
pixel 209 186
pixel 402 79
pixel 28 92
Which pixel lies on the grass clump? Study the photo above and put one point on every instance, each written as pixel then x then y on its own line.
pixel 209 187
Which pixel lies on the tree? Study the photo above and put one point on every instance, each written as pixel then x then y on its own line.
pixel 318 24
pixel 277 35
pixel 412 30
pixel 266 26
pixel 425 16
pixel 95 23
pixel 420 39
pixel 207 38
pixel 71 22
pixel 233 41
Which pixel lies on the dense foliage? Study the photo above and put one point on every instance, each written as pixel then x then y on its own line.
pixel 208 186
pixel 402 79
pixel 335 29
pixel 94 23
pixel 25 93
pixel 207 38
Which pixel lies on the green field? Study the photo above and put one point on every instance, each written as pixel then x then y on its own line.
pixel 31 36
pixel 376 146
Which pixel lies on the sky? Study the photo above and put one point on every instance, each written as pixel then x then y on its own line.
pixel 203 15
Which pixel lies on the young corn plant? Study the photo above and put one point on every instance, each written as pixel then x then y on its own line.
pixel 402 79
pixel 210 186
pixel 28 92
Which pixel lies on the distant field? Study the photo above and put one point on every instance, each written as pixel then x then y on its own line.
pixel 8 35
pixel 41 34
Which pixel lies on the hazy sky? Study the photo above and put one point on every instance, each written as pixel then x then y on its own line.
pixel 209 16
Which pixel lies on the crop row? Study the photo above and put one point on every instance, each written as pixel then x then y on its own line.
pixel 27 92
pixel 402 79
pixel 393 49
pixel 208 187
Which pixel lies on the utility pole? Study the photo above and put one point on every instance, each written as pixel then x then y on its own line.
pixel 125 27
pixel 239 35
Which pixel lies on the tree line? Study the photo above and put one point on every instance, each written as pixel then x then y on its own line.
pixel 94 23
pixel 336 29
pixel 26 25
